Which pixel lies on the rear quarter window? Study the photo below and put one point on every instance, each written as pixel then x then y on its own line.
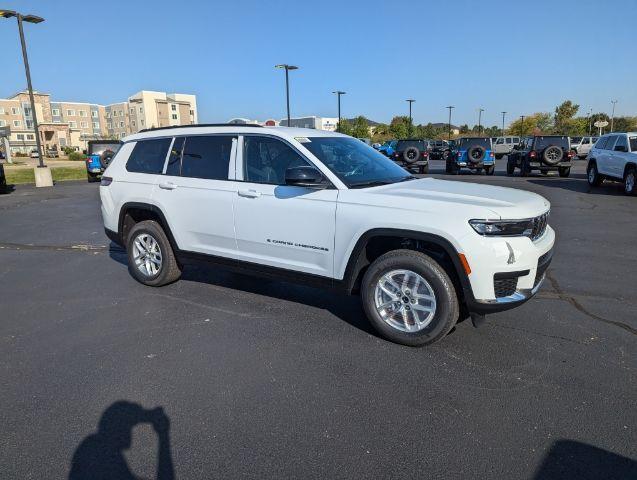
pixel 633 143
pixel 148 156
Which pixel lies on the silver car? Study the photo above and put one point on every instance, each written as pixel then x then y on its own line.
pixel 504 145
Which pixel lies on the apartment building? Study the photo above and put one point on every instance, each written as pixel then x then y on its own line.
pixel 73 124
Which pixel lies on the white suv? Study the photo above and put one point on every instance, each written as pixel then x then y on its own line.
pixel 321 207
pixel 614 157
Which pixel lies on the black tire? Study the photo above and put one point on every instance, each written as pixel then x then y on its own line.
pixel 475 154
pixel 169 270
pixel 92 177
pixel 106 157
pixel 498 156
pixel 447 309
pixel 411 155
pixel 423 169
pixel 592 174
pixel 525 169
pixel 478 171
pixel 552 155
pixel 564 171
pixel 446 154
pixel 630 181
pixel 510 167
pixel 490 170
pixel 455 169
pixel 447 166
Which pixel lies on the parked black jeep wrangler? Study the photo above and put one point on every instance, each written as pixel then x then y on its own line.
pixel 439 150
pixel 543 153
pixel 412 154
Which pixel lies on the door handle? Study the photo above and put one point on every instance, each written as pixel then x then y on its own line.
pixel 249 193
pixel 167 185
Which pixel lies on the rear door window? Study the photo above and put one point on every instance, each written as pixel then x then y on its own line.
pixel 148 156
pixel 207 156
pixel 508 141
pixel 621 142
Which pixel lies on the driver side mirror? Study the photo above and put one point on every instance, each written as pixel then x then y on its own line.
pixel 305 176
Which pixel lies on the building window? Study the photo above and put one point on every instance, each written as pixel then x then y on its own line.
pixel 109 125
pixel 55 112
pixel 29 123
pixel 96 124
pixel 122 135
pixel 192 112
pixel 3 123
pixel 133 123
pixel 141 110
pixel 82 113
pixel 173 108
pixel 141 122
pixel 27 111
pixel 132 110
pixel 15 110
pixel 121 113
pixel 121 124
pixel 73 124
pixel 1 110
pixel 174 116
pixel 70 113
pixel 83 124
pixel 17 123
pixel 94 113
pixel 108 114
pixel 30 136
pixel 20 136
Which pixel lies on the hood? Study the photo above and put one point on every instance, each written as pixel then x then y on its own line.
pixel 505 203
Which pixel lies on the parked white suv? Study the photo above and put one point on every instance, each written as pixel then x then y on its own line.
pixel 614 157
pixel 504 145
pixel 584 146
pixel 321 207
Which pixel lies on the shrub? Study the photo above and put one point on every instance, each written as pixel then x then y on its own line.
pixel 67 150
pixel 75 156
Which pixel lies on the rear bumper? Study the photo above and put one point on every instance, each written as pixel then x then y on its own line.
pixel 543 166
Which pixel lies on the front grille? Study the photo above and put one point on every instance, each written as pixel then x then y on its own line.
pixel 542 264
pixel 539 225
pixel 505 286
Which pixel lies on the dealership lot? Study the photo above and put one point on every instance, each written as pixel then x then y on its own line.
pixel 267 379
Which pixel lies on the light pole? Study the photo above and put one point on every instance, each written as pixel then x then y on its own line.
pixel 338 94
pixel 590 122
pixel 612 117
pixel 503 114
pixel 410 101
pixel 29 19
pixel 523 132
pixel 450 107
pixel 287 84
pixel 480 110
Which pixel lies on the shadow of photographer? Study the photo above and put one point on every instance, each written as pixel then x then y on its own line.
pixel 101 454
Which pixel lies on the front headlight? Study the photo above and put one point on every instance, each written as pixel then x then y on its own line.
pixel 503 228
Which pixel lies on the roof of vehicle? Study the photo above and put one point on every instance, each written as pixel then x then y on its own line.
pixel 285 132
pixel 615 133
pixel 411 140
pixel 474 138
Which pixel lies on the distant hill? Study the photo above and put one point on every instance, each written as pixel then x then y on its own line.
pixel 370 123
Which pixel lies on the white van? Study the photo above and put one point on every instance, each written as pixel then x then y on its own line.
pixel 503 146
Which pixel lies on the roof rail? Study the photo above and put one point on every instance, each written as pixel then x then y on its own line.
pixel 202 125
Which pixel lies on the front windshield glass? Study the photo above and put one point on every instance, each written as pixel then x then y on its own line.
pixel 354 163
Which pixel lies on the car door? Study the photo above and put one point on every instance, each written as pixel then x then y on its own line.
pixel 196 192
pixel 606 157
pixel 619 156
pixel 279 225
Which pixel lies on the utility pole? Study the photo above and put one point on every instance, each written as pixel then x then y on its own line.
pixel 287 84
pixel 590 122
pixel 450 107
pixel 410 101
pixel 503 114
pixel 612 117
pixel 338 94
pixel 480 110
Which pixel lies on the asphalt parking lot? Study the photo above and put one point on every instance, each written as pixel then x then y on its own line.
pixel 262 379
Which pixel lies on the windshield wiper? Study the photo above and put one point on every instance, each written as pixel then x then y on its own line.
pixel 371 183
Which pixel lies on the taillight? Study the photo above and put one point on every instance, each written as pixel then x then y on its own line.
pixel 491 154
pixel 106 181
pixel 532 154
pixel 425 154
pixel 571 154
pixel 459 154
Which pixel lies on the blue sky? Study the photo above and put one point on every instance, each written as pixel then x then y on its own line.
pixel 521 57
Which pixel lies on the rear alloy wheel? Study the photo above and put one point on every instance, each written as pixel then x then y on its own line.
pixel 409 298
pixel 629 182
pixel 564 171
pixel 593 176
pixel 151 259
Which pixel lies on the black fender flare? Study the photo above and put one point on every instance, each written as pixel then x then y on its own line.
pixel 155 210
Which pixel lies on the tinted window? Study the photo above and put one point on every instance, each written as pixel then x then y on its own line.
pixel 266 159
pixel 586 141
pixel 174 160
pixel 542 142
pixel 601 143
pixel 405 144
pixel 99 148
pixel 508 140
pixel 610 143
pixel 206 157
pixel 516 139
pixel 148 156
pixel 500 141
pixel 621 142
pixel 470 142
pixel 633 144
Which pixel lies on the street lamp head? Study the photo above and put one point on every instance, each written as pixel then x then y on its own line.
pixel 338 92
pixel 286 66
pixel 32 19
pixel 410 100
pixel 8 13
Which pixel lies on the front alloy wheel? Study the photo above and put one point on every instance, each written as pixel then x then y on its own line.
pixel 405 300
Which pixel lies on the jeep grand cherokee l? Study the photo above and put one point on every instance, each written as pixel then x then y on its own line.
pixel 326 209
pixel 543 153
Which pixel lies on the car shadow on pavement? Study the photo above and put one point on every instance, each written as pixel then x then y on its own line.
pixel 580 186
pixel 569 459
pixel 101 454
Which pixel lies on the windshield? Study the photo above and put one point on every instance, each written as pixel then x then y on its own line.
pixel 470 142
pixel 354 163
pixel 99 148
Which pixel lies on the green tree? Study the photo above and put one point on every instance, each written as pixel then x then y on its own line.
pixel 381 133
pixel 563 115
pixel 399 127
pixel 360 128
pixel 625 124
pixel 345 127
pixel 543 121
